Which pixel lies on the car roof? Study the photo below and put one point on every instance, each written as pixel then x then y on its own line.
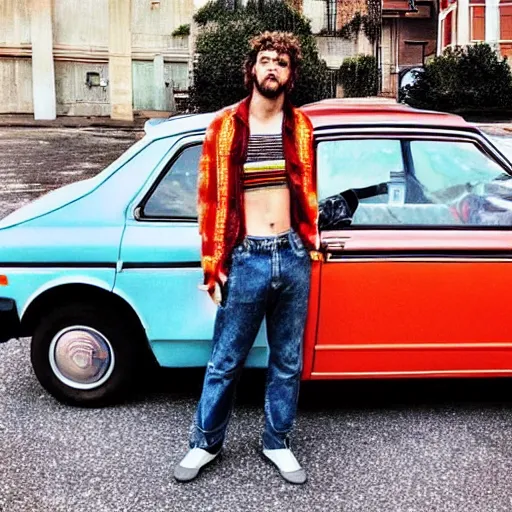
pixel 177 125
pixel 328 113
pixel 377 111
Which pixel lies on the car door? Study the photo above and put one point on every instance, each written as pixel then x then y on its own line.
pixel 417 284
pixel 160 267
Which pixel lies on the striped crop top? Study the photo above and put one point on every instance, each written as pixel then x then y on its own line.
pixel 265 164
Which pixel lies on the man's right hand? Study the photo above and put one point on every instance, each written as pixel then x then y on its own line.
pixel 216 296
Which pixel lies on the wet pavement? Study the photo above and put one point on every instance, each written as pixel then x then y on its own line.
pixel 375 446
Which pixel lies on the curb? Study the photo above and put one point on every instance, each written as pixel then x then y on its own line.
pixel 69 125
pixel 63 122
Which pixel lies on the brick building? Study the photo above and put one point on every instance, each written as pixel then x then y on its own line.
pixel 463 22
pixel 409 35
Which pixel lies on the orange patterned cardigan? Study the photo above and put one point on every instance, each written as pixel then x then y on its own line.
pixel 220 194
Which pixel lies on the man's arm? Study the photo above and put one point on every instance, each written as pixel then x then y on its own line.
pixel 307 157
pixel 207 205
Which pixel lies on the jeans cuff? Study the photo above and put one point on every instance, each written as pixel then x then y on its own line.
pixel 275 442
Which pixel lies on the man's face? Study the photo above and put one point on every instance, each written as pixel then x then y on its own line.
pixel 271 73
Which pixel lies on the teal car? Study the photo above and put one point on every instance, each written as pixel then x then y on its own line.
pixel 104 274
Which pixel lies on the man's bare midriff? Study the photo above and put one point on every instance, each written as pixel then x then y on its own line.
pixel 267 211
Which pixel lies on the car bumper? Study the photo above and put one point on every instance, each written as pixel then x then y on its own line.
pixel 10 326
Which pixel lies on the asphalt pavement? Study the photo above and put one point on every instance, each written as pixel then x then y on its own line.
pixel 374 446
pixel 36 160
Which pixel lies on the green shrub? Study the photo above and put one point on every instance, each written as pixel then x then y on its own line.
pixel 359 76
pixel 462 79
pixel 223 44
pixel 181 31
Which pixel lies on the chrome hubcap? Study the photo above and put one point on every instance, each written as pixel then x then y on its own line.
pixel 81 357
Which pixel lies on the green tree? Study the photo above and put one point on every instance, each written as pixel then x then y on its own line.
pixel 359 76
pixel 462 79
pixel 223 44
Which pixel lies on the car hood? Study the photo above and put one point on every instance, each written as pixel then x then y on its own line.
pixel 49 202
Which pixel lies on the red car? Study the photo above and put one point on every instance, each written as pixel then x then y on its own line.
pixel 418 272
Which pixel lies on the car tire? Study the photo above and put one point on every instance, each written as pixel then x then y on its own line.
pixel 75 340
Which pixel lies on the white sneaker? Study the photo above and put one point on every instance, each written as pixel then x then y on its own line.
pixel 287 464
pixel 192 463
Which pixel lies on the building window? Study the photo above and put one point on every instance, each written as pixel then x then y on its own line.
pixel 506 22
pixel 332 15
pixel 477 13
pixel 506 29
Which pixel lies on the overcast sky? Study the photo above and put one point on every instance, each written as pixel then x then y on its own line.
pixel 199 3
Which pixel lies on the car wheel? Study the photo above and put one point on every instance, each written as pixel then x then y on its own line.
pixel 85 355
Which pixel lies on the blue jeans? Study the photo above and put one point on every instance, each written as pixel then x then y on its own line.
pixel 269 277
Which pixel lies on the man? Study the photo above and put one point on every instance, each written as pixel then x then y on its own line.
pixel 258 221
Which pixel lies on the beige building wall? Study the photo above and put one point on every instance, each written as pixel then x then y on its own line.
pixel 153 24
pixel 15 63
pixel 85 41
pixel 74 97
pixel 14 22
pixel 16 86
pixel 81 24
pixel 81 47
pixel 315 11
pixel 160 61
pixel 335 49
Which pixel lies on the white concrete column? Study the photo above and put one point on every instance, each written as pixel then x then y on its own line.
pixel 439 36
pixel 43 70
pixel 159 98
pixel 120 60
pixel 492 22
pixel 463 21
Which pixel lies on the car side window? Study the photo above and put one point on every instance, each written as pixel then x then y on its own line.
pixel 176 194
pixel 354 164
pixel 460 178
pixel 357 179
pixel 410 183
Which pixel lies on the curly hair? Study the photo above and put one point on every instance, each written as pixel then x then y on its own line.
pixel 281 42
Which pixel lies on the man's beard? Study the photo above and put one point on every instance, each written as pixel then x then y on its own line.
pixel 267 92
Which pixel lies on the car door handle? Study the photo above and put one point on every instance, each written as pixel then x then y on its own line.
pixel 335 243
